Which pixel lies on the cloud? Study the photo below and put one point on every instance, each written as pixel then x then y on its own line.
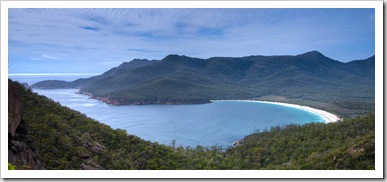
pixel 45 57
pixel 114 35
pixel 50 57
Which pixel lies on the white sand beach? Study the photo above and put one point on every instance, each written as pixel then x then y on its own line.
pixel 327 116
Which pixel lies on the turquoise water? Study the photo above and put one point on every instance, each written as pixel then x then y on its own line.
pixel 218 123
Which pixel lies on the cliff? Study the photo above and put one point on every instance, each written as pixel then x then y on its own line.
pixel 21 151
pixel 14 108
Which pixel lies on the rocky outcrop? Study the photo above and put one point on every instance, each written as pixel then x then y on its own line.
pixel 14 108
pixel 23 156
pixel 90 149
pixel 239 142
pixel 109 100
pixel 21 152
pixel 90 164
pixel 355 152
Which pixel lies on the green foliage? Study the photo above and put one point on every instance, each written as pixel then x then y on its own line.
pixel 67 139
pixel 349 144
pixel 184 80
pixel 11 167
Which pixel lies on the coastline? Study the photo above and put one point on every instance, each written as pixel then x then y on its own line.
pixel 327 116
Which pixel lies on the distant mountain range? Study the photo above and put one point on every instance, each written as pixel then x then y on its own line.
pixel 185 80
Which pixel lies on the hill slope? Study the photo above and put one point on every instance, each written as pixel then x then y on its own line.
pixel 183 80
pixel 67 139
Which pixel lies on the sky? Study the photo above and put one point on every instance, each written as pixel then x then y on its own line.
pixel 95 40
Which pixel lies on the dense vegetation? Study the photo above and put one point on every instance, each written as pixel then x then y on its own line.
pixel 67 139
pixel 181 80
pixel 343 145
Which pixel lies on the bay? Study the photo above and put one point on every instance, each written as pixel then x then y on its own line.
pixel 219 123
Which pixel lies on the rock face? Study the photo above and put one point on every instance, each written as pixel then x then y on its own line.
pixel 239 142
pixel 22 156
pixel 90 164
pixel 21 152
pixel 14 108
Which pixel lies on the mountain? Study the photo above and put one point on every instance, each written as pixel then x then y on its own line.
pixel 185 80
pixel 365 68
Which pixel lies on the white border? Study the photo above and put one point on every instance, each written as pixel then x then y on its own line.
pixel 4 90
pixel 379 84
pixel 378 173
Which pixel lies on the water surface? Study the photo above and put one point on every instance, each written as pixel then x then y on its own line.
pixel 219 123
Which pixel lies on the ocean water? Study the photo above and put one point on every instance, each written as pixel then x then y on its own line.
pixel 218 123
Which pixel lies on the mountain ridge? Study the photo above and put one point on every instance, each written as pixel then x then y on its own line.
pixel 178 79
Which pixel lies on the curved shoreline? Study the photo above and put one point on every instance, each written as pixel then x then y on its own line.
pixel 327 116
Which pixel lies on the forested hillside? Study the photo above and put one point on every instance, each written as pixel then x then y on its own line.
pixel 67 139
pixel 349 87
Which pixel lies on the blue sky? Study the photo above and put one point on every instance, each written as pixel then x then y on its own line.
pixel 95 40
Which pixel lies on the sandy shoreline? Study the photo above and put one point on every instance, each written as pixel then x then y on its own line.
pixel 327 116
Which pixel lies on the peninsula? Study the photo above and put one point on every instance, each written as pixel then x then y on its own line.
pixel 311 76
